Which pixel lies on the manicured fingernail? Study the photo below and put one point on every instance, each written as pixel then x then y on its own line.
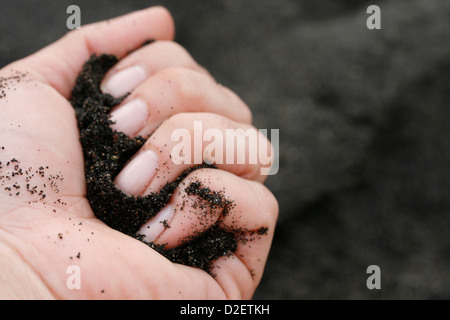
pixel 124 81
pixel 155 226
pixel 138 173
pixel 130 118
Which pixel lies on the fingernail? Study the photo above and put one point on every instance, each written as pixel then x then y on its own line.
pixel 138 173
pixel 124 81
pixel 155 226
pixel 130 118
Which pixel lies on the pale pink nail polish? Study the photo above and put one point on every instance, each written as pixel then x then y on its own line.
pixel 124 81
pixel 130 118
pixel 155 226
pixel 138 173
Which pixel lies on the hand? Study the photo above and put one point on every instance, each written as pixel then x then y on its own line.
pixel 46 222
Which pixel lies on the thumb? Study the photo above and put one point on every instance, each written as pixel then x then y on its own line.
pixel 59 63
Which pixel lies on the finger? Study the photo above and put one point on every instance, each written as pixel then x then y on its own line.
pixel 171 91
pixel 245 208
pixel 181 142
pixel 150 59
pixel 60 63
pixel 188 213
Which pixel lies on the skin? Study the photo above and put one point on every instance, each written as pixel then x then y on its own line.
pixel 41 238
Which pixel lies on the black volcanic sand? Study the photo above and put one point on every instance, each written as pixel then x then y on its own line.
pixel 105 153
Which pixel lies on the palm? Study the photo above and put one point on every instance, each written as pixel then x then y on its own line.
pixel 58 224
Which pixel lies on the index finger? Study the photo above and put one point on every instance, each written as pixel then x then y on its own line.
pixel 59 63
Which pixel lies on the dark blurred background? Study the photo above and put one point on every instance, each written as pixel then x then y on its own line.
pixel 364 120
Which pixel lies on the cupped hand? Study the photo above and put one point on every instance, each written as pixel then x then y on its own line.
pixel 49 234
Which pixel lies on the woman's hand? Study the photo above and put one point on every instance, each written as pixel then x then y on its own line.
pixel 48 231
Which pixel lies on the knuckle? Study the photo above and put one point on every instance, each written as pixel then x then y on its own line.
pixel 179 120
pixel 269 204
pixel 171 46
pixel 265 147
pixel 187 120
pixel 181 83
pixel 246 115
pixel 75 35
